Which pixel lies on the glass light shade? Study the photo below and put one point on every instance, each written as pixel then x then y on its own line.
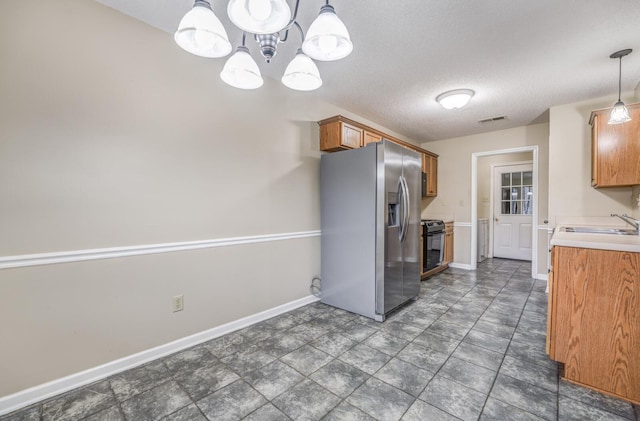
pixel 327 38
pixel 302 74
pixel 201 33
pixel 241 70
pixel 453 100
pixel 619 114
pixel 259 16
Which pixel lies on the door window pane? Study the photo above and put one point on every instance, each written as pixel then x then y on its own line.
pixel 517 193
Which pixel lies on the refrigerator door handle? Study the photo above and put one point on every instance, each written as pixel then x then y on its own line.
pixel 401 202
pixel 406 208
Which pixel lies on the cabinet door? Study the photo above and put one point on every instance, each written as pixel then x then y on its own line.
pixel 431 168
pixel 448 243
pixel 550 307
pixel 351 136
pixel 371 138
pixel 616 150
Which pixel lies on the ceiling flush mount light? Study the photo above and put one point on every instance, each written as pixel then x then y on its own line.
pixel 201 33
pixel 453 100
pixel 619 112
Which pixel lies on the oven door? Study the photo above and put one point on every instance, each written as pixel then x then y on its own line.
pixel 433 250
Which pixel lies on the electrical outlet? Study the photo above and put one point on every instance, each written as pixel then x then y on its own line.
pixel 178 303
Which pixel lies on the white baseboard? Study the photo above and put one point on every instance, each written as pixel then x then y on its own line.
pixel 460 266
pixel 542 276
pixel 38 393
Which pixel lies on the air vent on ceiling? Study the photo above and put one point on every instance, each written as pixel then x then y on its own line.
pixel 487 120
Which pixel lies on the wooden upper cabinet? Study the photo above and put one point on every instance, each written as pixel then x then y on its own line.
pixel 430 167
pixel 615 153
pixel 338 135
pixel 370 137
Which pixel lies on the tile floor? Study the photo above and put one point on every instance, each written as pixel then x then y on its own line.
pixel 472 347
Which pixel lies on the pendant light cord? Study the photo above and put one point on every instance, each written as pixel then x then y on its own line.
pixel 620 79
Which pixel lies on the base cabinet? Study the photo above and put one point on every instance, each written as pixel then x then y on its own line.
pixel 594 319
pixel 448 243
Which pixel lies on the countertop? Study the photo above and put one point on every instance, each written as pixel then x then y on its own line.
pixel 596 241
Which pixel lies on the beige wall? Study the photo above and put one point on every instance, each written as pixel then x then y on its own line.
pixel 454 180
pixel 485 177
pixel 112 136
pixel 570 191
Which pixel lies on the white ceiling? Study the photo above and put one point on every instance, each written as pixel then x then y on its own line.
pixel 521 57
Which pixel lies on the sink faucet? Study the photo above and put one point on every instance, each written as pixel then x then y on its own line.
pixel 629 220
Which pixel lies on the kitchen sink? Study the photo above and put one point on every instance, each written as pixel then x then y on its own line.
pixel 593 230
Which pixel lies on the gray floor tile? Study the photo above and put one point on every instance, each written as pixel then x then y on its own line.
pixel 112 413
pixel 419 319
pixel 495 410
pixel 450 330
pixel 423 357
pixel 245 362
pixel 365 358
pixel 339 377
pixel 206 379
pixel 401 330
pixel 190 359
pixel 544 377
pixel 380 400
pixel 280 344
pixel 596 399
pixel 79 403
pixel 267 412
pixel 283 321
pixel 140 379
pixel 478 356
pixel 307 332
pixel 26 414
pixel 454 398
pixel 534 355
pixel 188 413
pixel 357 331
pixel 494 329
pixel 472 376
pixel 484 340
pixel 273 379
pixel 306 359
pixel 437 342
pixel 333 343
pixel 571 410
pixel 227 345
pixel 231 402
pixel 346 412
pixel 525 396
pixel 156 403
pixel 306 401
pixel 386 343
pixel 422 411
pixel 405 376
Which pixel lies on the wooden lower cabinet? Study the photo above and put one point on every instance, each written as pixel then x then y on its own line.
pixel 594 319
pixel 448 243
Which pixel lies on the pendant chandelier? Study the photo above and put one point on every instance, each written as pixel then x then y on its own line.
pixel 619 112
pixel 201 33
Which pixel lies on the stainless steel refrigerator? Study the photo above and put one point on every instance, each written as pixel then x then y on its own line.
pixel 370 219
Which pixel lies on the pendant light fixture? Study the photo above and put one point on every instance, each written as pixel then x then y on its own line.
pixel 241 70
pixel 456 99
pixel 201 33
pixel 619 113
pixel 327 38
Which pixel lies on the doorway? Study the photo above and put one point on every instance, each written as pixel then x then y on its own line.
pixel 534 205
pixel 512 205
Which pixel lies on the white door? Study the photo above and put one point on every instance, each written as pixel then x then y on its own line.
pixel 512 210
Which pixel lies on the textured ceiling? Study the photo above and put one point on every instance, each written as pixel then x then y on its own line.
pixel 521 57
